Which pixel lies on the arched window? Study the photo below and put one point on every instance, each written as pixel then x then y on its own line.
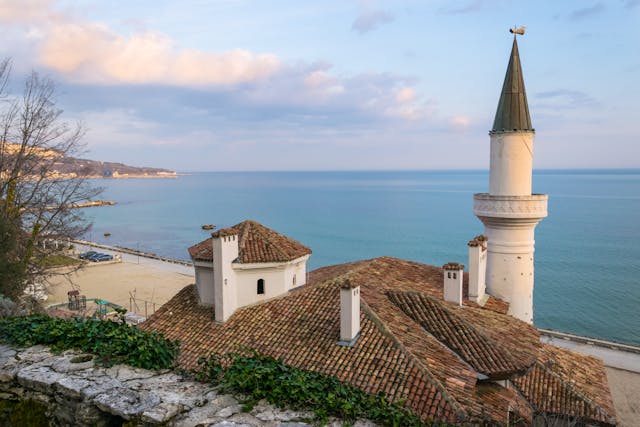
pixel 260 286
pixel 449 274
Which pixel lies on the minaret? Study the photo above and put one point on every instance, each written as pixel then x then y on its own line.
pixel 510 212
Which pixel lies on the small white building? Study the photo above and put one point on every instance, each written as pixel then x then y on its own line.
pixel 245 264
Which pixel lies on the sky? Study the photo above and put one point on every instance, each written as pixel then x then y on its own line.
pixel 204 85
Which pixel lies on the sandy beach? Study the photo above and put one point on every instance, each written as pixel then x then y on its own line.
pixel 118 281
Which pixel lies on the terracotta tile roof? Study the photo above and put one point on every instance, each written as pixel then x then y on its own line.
pixel 304 333
pixel 394 354
pixel 484 354
pixel 567 383
pixel 256 243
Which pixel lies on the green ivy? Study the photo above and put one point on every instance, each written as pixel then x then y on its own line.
pixel 112 341
pixel 262 377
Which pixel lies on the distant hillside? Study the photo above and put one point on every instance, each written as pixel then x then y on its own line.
pixel 72 167
pixel 96 169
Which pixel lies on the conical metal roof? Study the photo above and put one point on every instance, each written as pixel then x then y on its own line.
pixel 513 110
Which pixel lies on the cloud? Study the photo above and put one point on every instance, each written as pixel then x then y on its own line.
pixel 630 4
pixel 586 12
pixel 460 122
pixel 566 98
pixel 92 53
pixel 369 20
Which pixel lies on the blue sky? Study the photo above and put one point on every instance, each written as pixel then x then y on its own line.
pixel 332 85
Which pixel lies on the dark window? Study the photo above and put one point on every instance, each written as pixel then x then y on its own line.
pixel 449 274
pixel 260 286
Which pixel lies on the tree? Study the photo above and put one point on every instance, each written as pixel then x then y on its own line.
pixel 36 203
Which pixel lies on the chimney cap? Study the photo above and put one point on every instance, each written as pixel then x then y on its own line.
pixel 348 284
pixel 453 266
pixel 481 238
pixel 225 232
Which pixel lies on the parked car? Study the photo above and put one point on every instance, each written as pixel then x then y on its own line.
pixel 93 255
pixel 102 257
pixel 86 255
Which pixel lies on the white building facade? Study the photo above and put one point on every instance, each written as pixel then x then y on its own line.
pixel 245 264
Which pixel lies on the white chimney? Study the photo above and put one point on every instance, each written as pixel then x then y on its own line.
pixel 349 313
pixel 477 268
pixel 453 282
pixel 225 251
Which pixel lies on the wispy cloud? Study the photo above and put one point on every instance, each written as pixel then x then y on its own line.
pixel 369 20
pixel 91 53
pixel 566 98
pixel 587 12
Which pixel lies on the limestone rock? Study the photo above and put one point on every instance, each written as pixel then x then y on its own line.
pixel 161 413
pixel 125 403
pixel 127 373
pixel 40 378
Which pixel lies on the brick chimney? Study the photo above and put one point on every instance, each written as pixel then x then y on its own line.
pixel 477 268
pixel 453 282
pixel 349 313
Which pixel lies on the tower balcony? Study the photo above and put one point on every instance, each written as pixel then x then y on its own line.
pixel 514 210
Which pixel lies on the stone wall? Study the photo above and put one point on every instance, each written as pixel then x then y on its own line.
pixel 77 392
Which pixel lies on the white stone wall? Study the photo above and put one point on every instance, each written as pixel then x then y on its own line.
pixel 511 163
pixel 204 283
pixel 241 286
pixel 247 284
pixel 278 279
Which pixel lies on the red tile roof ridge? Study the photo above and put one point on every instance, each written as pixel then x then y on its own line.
pixel 490 353
pixel 460 412
pixel 256 244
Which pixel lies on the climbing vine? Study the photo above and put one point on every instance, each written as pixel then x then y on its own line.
pixel 262 377
pixel 112 342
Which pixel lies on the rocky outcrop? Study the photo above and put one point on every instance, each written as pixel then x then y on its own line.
pixel 78 392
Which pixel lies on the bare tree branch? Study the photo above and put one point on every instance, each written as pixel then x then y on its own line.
pixel 35 202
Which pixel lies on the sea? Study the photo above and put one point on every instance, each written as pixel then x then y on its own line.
pixel 587 255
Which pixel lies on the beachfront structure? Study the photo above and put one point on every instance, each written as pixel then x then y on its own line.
pixel 510 212
pixel 244 264
pixel 453 347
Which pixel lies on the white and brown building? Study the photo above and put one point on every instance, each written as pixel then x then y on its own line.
pixel 244 264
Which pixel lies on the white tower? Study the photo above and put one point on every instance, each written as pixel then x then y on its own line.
pixel 510 212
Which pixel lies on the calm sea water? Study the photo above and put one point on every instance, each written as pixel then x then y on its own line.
pixel 587 251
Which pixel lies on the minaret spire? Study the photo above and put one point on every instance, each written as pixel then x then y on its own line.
pixel 510 211
pixel 513 110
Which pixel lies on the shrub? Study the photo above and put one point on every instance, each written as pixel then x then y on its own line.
pixel 112 342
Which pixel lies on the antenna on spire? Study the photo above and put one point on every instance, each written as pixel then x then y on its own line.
pixel 519 31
